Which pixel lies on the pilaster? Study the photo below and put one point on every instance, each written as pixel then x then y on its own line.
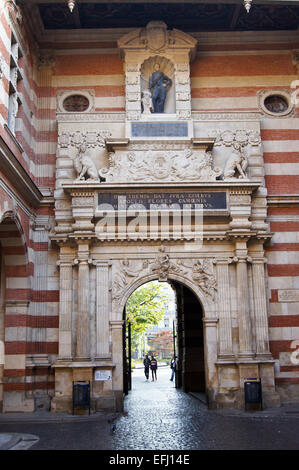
pixel 224 310
pixel 82 328
pixel 102 310
pixel 260 308
pixel 245 328
pixel 65 307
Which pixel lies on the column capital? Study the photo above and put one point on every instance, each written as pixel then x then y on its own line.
pixel 65 263
pixel 210 321
pixel 258 260
pixel 116 323
pixel 223 260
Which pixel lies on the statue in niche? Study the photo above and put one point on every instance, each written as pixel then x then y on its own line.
pixel 237 164
pixel 146 101
pixel 159 84
pixel 85 166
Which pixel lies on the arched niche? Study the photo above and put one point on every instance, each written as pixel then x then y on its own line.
pixel 167 67
pixel 174 48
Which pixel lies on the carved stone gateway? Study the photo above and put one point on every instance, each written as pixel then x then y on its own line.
pixel 177 197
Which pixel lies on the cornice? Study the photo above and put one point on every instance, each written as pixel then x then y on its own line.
pixel 283 200
pixel 207 38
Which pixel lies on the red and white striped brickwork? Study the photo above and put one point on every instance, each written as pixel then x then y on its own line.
pixel 29 297
pixel 224 77
pixel 229 78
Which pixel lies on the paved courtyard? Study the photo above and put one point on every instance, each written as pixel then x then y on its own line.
pixel 156 417
pixel 162 417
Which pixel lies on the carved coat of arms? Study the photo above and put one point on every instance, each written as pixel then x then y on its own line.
pixel 156 32
pixel 160 166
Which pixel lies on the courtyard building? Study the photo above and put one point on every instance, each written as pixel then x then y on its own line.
pixel 145 141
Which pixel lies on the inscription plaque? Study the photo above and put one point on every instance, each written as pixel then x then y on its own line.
pixel 288 295
pixel 159 129
pixel 160 201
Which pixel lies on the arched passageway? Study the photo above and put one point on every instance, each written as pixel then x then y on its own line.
pixel 188 342
pixel 14 301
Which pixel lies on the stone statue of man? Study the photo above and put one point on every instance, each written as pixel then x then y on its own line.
pixel 159 84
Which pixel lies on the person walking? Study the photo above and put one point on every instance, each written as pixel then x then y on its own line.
pixel 154 367
pixel 147 363
pixel 173 367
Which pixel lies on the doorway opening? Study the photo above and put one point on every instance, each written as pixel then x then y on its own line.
pixel 168 316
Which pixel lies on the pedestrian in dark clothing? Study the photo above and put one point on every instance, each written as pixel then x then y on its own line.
pixel 147 363
pixel 154 367
pixel 173 367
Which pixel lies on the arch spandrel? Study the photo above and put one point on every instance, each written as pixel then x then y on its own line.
pixel 126 284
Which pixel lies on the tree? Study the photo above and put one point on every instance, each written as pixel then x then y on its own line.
pixel 145 308
pixel 162 343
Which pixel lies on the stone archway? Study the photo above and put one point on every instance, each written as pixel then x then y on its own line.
pixel 15 293
pixel 189 344
pixel 189 339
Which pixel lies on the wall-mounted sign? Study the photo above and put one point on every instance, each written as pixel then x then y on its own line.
pixel 102 375
pixel 159 129
pixel 157 201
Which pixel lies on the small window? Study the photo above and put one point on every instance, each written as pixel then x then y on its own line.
pixel 276 104
pixel 76 103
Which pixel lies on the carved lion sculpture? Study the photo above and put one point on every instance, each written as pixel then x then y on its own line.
pixel 85 166
pixel 237 164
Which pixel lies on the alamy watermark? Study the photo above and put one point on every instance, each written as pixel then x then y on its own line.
pixel 124 221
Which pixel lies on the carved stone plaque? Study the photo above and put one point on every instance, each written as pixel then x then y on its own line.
pixel 159 129
pixel 151 201
pixel 288 295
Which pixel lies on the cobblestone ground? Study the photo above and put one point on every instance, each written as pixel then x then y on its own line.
pixel 160 417
pixel 157 417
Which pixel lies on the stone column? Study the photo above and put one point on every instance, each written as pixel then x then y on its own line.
pixel 40 227
pixel 102 310
pixel 260 307
pixel 245 333
pixel 82 330
pixel 224 310
pixel 65 309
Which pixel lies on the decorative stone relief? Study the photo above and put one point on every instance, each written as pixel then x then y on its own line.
pixel 240 136
pixel 153 165
pixel 202 274
pixel 126 272
pixel 84 166
pixel 236 146
pixel 236 165
pixel 75 139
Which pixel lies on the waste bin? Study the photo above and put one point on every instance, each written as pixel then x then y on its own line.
pixel 81 394
pixel 253 392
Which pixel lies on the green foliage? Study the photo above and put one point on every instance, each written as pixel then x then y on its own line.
pixel 145 308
